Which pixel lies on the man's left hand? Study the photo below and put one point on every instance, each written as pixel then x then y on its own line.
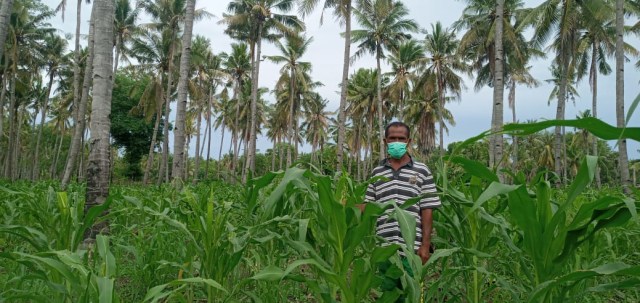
pixel 424 254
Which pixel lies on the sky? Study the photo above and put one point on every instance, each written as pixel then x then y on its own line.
pixel 472 112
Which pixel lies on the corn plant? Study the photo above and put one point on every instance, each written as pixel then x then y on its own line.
pixel 337 241
pixel 80 276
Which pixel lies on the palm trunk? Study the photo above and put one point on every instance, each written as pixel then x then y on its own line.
pixel 54 165
pixel 236 124
pixel 36 167
pixel 441 94
pixel 206 172
pixel 359 169
pixel 381 123
pixel 243 170
pixel 185 159
pixel 291 114
pixel 78 131
pixel 200 153
pixel 342 117
pixel 76 70
pixel 179 130
pixel 562 92
pixel 280 152
pixel 219 151
pixel 313 151
pixel 98 166
pixel 512 104
pixel 196 165
pixel 594 107
pixel 16 174
pixel 116 58
pixel 497 119
pixel 564 156
pixel 5 13
pixel 623 159
pixel 3 85
pixel 273 154
pixel 154 137
pixel 163 172
pixel 8 160
pixel 251 163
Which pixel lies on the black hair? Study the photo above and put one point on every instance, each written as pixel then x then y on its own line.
pixel 397 124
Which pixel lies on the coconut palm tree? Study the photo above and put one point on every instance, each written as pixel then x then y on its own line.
pixel 480 44
pixel 53 51
pixel 153 52
pixel 199 88
pixel 125 26
pixel 5 13
pixel 238 65
pixel 26 32
pixel 98 166
pixel 316 123
pixel 277 129
pixel 291 53
pixel 342 9
pixel 384 24
pixel 561 19
pixel 596 43
pixel 362 92
pixel 405 61
pixel 167 17
pixel 443 62
pixel 423 110
pixel 78 90
pixel 257 20
pixel 623 158
pixel 180 126
pixel 518 76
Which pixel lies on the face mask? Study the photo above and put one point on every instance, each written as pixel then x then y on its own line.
pixel 397 149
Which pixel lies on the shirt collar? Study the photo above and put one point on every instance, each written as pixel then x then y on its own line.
pixel 387 163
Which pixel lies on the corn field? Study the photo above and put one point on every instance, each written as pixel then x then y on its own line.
pixel 297 236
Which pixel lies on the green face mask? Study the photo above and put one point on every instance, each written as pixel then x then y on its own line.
pixel 397 149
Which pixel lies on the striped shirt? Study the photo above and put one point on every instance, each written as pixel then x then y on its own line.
pixel 411 180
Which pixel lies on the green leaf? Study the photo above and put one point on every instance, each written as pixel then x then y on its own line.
pixel 407 223
pixel 632 109
pixel 595 126
pixel 493 190
pixel 105 289
pixel 269 273
pixel 106 255
pixel 583 178
pixel 297 263
pixel 579 275
pixel 475 168
pixel 441 253
pixel 155 293
pixel 291 174
pixel 383 253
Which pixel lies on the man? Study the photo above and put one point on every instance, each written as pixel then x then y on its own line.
pixel 404 179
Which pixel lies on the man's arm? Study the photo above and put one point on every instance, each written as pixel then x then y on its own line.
pixel 426 217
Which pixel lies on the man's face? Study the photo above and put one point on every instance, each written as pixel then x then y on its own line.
pixel 397 134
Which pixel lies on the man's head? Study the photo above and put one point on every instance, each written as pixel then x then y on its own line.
pixel 396 137
pixel 397 131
